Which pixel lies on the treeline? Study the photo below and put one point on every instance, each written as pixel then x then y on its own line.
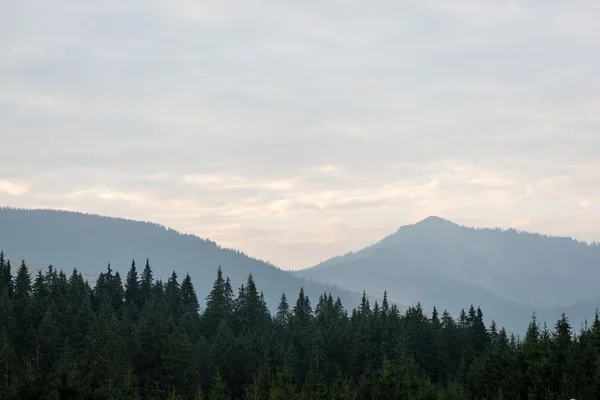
pixel 141 338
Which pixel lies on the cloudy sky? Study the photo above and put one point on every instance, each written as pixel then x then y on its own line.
pixel 297 131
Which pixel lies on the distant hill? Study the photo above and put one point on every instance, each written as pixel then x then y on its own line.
pixel 89 242
pixel 508 273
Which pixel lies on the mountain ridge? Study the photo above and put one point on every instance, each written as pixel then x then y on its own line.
pixel 88 242
pixel 436 261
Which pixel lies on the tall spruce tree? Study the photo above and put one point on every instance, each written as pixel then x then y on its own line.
pixel 282 316
pixel 189 299
pixel 173 296
pixel 23 311
pixel 218 305
pixel 133 293
pixel 6 279
pixel 146 283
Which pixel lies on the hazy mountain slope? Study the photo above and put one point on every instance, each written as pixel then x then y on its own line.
pixel 89 242
pixel 522 267
pixel 507 273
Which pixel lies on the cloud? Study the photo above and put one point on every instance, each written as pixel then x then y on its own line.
pixel 300 131
pixel 12 188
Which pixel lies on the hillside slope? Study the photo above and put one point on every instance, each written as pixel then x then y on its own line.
pixel 508 273
pixel 89 242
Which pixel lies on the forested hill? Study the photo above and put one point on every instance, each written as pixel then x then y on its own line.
pixel 88 242
pixel 139 338
pixel 508 273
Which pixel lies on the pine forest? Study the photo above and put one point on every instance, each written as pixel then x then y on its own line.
pixel 142 338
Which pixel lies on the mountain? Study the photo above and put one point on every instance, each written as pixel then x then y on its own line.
pixel 89 242
pixel 508 273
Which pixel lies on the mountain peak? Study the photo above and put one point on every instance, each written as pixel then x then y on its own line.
pixel 434 221
pixel 429 225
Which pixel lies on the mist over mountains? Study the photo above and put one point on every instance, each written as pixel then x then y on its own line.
pixel 509 274
pixel 88 242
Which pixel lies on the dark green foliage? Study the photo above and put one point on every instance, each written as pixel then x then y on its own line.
pixel 219 305
pixel 219 390
pixel 173 297
pixel 146 283
pixel 133 292
pixel 189 299
pixel 145 339
pixel 283 313
pixel 6 279
pixel 250 311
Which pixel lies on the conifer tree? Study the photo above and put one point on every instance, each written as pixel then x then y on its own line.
pixel 561 359
pixel 22 289
pixel 249 313
pixel 179 364
pixel 49 343
pixel 189 299
pixel 78 315
pixel 283 313
pixel 219 389
pixel 384 385
pixel 22 311
pixel 173 296
pixel 479 334
pixel 128 329
pixel 6 279
pixel 117 292
pixel 103 353
pixel 8 360
pixel 31 383
pixel 283 387
pixel 315 387
pixel 342 389
pixel 132 287
pixel 81 342
pixel 146 283
pixel 151 338
pixel 529 359
pixel 218 305
pixel 190 319
pixel 259 389
pixel 384 304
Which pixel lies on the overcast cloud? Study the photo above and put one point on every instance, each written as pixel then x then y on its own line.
pixel 297 131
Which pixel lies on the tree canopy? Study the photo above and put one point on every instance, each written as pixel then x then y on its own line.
pixel 141 338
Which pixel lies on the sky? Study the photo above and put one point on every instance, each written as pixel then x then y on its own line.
pixel 297 131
